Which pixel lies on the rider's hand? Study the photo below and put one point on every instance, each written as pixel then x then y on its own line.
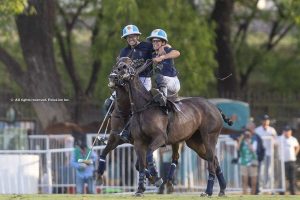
pixel 88 162
pixel 158 59
pixel 82 166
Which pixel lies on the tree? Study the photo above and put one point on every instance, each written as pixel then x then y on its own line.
pixel 279 18
pixel 61 62
pixel 36 34
pixel 221 15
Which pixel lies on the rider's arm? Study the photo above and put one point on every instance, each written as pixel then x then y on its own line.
pixel 170 55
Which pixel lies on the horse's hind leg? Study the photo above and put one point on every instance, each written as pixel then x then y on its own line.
pixel 204 152
pixel 220 177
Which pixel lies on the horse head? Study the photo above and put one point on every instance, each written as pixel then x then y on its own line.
pixel 125 70
pixel 122 71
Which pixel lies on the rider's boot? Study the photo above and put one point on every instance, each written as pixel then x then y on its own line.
pixel 160 96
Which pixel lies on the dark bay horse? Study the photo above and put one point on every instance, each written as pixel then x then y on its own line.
pixel 119 119
pixel 198 124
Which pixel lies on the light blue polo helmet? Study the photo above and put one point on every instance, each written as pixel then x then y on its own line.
pixel 130 30
pixel 158 33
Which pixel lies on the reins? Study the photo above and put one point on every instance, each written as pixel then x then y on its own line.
pixel 149 104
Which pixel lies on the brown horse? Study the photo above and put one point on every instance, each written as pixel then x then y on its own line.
pixel 198 124
pixel 119 119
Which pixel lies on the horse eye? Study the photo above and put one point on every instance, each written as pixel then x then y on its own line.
pixel 124 66
pixel 119 69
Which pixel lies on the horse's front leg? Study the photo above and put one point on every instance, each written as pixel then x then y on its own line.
pixel 112 143
pixel 168 182
pixel 170 177
pixel 141 150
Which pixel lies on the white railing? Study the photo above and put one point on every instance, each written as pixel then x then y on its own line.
pixel 55 175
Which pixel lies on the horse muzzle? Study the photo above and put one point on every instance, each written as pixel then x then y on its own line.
pixel 111 84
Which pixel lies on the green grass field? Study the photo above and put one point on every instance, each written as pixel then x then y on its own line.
pixel 146 197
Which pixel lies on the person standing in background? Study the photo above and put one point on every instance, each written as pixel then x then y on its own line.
pixel 265 131
pixel 84 168
pixel 260 150
pixel 289 147
pixel 247 146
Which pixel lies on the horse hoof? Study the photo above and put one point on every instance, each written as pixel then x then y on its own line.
pixel 139 194
pixel 204 194
pixel 158 182
pixel 221 194
pixel 161 189
pixel 141 189
pixel 170 187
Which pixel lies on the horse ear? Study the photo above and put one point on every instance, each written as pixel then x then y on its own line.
pixel 126 60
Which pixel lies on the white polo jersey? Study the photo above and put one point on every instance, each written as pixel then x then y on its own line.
pixel 287 147
pixel 269 131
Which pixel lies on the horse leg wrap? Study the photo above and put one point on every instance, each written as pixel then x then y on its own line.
pixel 141 184
pixel 171 172
pixel 221 178
pixel 151 164
pixel 149 157
pixel 210 184
pixel 147 173
pixel 102 165
pixel 152 169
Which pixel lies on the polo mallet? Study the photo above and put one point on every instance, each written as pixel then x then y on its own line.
pixel 98 135
pixel 102 139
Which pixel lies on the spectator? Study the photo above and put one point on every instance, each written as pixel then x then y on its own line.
pixel 265 131
pixel 289 147
pixel 247 146
pixel 84 168
pixel 260 150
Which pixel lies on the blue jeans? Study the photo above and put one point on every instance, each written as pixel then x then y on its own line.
pixel 80 185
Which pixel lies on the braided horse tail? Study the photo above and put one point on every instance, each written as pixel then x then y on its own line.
pixel 226 119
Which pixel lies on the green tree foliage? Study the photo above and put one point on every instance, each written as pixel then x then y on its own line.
pixel 9 39
pixel 266 44
pixel 109 43
pixel 8 7
pixel 187 31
